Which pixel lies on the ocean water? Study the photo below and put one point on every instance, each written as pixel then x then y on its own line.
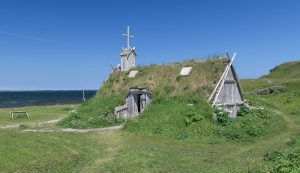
pixel 37 98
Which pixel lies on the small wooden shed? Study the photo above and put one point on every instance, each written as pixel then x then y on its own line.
pixel 231 97
pixel 228 93
pixel 137 100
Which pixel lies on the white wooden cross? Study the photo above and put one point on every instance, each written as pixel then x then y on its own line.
pixel 128 37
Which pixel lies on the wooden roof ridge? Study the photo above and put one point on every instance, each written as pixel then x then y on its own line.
pixel 126 52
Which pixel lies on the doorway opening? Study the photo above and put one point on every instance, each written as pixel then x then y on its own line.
pixel 139 102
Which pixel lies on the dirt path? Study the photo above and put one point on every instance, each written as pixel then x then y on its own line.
pixel 36 123
pixel 53 121
pixel 69 130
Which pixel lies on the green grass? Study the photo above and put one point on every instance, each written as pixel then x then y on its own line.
pixel 127 152
pixel 287 159
pixel 287 70
pixel 164 80
pixel 161 140
pixel 167 118
pixel 161 80
pixel 46 152
pixel 36 113
pixel 96 112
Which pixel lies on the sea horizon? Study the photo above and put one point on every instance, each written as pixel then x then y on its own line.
pixel 20 98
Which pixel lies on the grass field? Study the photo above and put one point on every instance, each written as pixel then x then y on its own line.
pixel 127 151
pixel 120 151
pixel 36 113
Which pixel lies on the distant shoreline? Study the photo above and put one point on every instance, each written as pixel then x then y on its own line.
pixel 40 104
pixel 14 99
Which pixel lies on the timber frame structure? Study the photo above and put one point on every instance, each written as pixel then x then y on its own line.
pixel 228 93
pixel 136 100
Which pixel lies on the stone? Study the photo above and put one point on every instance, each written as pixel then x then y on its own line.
pixel 185 71
pixel 270 90
pixel 132 74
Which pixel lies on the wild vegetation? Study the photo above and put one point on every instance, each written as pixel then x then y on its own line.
pixel 179 109
pixel 190 118
pixel 262 139
pixel 290 70
pixel 96 112
pixel 164 80
pixel 286 159
pixel 161 80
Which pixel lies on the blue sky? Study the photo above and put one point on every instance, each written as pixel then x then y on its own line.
pixel 51 44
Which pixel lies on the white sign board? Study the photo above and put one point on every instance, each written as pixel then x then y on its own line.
pixel 132 74
pixel 185 71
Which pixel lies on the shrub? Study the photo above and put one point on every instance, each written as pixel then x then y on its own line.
pixel 283 161
pixel 222 116
pixel 96 112
pixel 253 123
pixel 245 110
pixel 191 117
pixel 175 117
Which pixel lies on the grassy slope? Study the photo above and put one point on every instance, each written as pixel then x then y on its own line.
pixel 156 154
pixel 96 112
pixel 126 152
pixel 161 80
pixel 144 154
pixel 165 118
pixel 286 70
pixel 167 114
pixel 285 157
pixel 164 80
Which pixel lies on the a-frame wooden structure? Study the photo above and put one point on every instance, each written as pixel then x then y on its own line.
pixel 228 93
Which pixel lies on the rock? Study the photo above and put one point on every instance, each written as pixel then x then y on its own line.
pixel 270 90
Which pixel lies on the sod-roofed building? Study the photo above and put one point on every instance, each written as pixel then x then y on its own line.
pixel 214 79
pixel 137 100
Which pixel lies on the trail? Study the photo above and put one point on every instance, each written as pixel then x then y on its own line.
pixel 53 121
pixel 270 142
pixel 70 130
pixel 36 123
